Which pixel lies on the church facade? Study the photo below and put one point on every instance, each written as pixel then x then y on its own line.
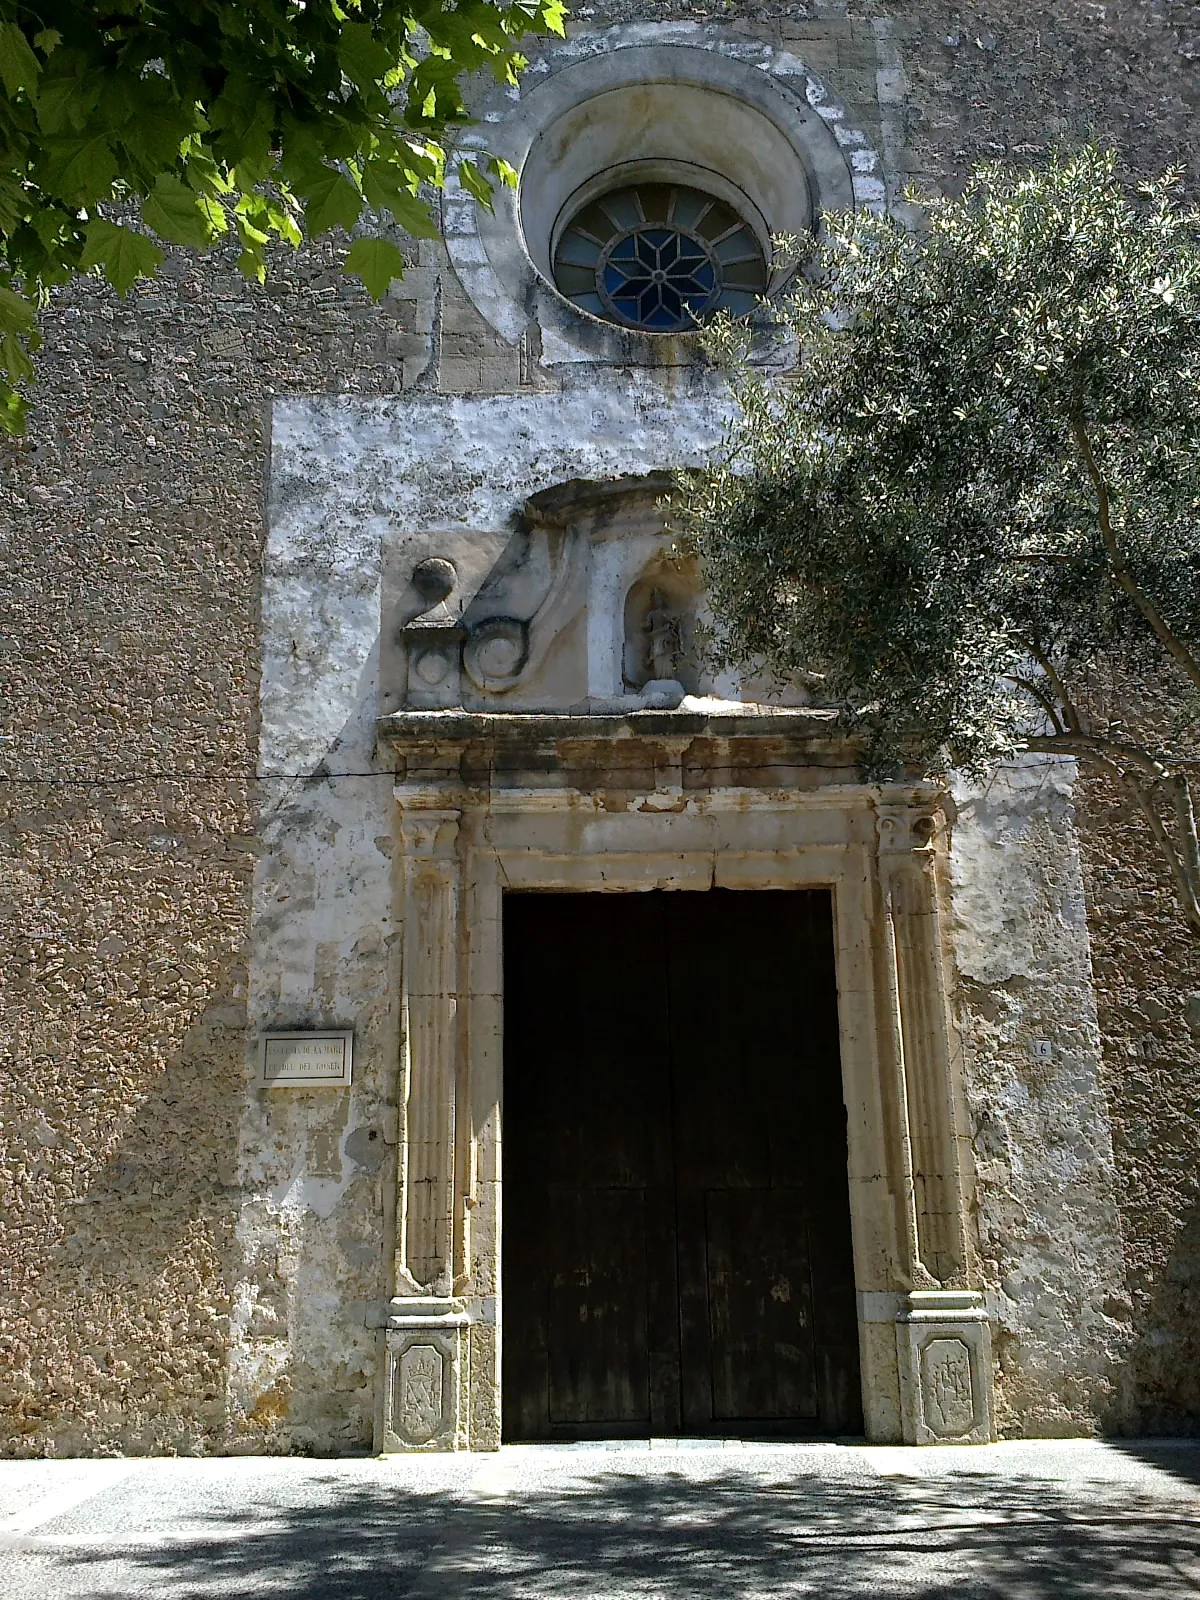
pixel 445 1011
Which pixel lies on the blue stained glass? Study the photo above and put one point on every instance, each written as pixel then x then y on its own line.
pixel 577 251
pixel 659 274
pixel 659 278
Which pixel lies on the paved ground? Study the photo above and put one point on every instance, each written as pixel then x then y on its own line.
pixel 668 1522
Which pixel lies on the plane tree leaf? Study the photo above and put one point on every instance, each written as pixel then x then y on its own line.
pixel 177 213
pixel 129 127
pixel 377 262
pixel 19 67
pixel 123 254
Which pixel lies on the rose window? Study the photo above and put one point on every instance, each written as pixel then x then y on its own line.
pixel 660 257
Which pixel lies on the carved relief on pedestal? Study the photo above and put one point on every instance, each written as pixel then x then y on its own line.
pixel 422 1403
pixel 420 1392
pixel 944 1348
pixel 948 1404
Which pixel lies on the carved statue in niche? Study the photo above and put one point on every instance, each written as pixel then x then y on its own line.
pixel 663 628
pixel 660 627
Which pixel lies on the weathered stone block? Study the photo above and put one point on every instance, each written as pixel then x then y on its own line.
pixel 945 1359
pixel 460 375
pixel 424 1355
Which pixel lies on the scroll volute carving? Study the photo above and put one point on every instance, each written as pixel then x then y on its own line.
pixel 508 638
pixel 503 651
pixel 433 638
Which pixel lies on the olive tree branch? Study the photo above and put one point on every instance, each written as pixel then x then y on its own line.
pixel 1095 745
pixel 1047 702
pixel 1180 861
pixel 1066 705
pixel 1185 827
pixel 1122 571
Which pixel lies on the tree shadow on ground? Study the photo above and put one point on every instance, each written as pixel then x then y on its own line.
pixel 678 1534
pixel 1178 1458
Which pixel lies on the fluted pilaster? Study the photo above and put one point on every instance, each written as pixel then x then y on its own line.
pixel 432 893
pixel 907 865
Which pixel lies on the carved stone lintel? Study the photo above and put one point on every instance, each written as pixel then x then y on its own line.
pixel 944 1348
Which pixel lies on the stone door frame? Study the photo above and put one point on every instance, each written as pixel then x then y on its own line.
pixel 486 804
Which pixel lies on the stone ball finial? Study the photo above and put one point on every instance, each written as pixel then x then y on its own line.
pixel 434 579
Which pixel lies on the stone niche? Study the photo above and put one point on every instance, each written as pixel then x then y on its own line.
pixel 555 728
pixel 586 606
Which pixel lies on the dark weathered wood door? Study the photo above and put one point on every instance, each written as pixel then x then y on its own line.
pixel 676 1221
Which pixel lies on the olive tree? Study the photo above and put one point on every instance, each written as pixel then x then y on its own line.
pixel 126 123
pixel 972 517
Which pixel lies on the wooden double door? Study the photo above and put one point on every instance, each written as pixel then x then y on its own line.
pixel 676 1247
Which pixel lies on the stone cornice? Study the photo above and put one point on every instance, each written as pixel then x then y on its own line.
pixel 802 724
pixel 796 749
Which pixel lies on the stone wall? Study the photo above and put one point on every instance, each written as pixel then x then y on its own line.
pixel 132 815
pixel 1046 1198
pixel 1147 971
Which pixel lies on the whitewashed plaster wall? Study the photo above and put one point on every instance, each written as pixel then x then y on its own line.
pixel 351 479
pixel 352 482
pixel 1046 1207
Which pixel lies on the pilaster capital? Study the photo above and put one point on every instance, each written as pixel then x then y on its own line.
pixel 429 831
pixel 907 825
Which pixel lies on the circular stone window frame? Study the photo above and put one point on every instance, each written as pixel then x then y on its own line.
pixel 508 280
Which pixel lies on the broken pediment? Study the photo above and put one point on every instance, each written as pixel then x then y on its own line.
pixel 588 606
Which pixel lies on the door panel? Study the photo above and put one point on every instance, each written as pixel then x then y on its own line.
pixel 588 1214
pixel 598 1308
pixel 760 1306
pixel 676 1217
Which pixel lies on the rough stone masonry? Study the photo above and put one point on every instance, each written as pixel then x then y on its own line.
pixel 207 526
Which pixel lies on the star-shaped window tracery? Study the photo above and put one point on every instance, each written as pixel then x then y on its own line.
pixel 661 257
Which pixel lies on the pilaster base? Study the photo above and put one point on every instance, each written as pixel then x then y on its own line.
pixel 424 1358
pixel 944 1347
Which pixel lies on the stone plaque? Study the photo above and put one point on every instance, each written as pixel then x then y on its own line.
pixel 305 1060
pixel 946 1388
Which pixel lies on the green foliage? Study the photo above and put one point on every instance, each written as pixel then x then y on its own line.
pixel 195 119
pixel 983 488
pixel 377 262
